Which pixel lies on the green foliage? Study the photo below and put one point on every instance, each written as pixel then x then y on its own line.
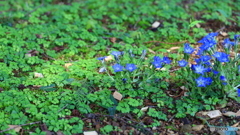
pixel 106 129
pixel 31 107
pixel 157 114
pixel 62 39
pixel 187 106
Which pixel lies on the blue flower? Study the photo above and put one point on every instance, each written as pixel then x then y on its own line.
pixel 210 36
pixel 116 53
pixel 203 60
pixel 199 69
pixel 224 83
pixel 117 67
pixel 238 92
pixel 157 58
pixel 157 64
pixel 130 67
pixel 209 80
pixel 227 43
pixel 166 60
pixel 188 49
pixel 221 56
pixel 203 82
pixel 208 41
pixel 236 37
pixel 215 72
pixel 182 63
pixel 101 58
pixel 223 78
pixel 124 80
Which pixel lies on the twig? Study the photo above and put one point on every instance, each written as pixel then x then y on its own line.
pixel 123 119
pixel 48 56
pixel 63 108
pixel 221 29
pixel 20 126
pixel 27 14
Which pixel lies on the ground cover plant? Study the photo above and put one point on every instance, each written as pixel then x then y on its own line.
pixel 119 67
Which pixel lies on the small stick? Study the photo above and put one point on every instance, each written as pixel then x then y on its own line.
pixel 20 126
pixel 29 123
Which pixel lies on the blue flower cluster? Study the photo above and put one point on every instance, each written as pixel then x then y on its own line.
pixel 203 65
pixel 119 67
pixel 160 62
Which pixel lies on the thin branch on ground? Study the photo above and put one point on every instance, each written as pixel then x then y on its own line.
pixel 20 126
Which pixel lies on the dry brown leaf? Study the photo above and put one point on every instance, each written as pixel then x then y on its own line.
pixel 238 113
pixel 144 109
pixel 173 48
pixel 223 33
pixel 16 129
pixel 68 65
pixel 198 25
pixel 197 127
pixel 113 39
pixel 108 58
pixel 235 125
pixel 90 133
pixel 151 51
pixel 156 24
pixel 230 114
pixel 38 75
pixel 117 95
pixel 214 114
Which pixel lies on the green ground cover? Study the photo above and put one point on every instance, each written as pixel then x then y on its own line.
pixel 55 73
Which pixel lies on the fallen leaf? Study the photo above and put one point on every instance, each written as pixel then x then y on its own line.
pixel 108 58
pixel 154 128
pixel 17 129
pixel 197 127
pixel 203 113
pixel 38 75
pixel 186 128
pixel 214 114
pixel 223 33
pixel 238 113
pixel 235 125
pixel 198 25
pixel 156 24
pixel 113 39
pixel 90 133
pixel 183 88
pixel 28 55
pixel 117 95
pixel 144 109
pixel 173 48
pixel 68 65
pixel 151 51
pixel 230 114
